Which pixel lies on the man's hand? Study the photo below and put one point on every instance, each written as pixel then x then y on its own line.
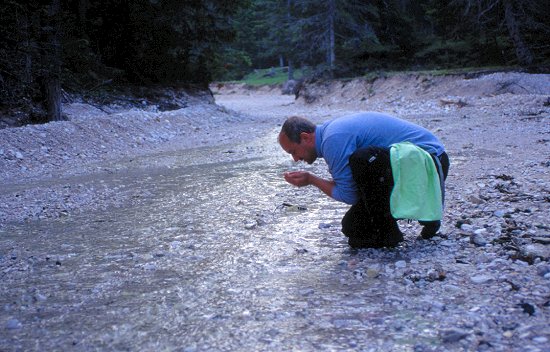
pixel 298 178
pixel 304 178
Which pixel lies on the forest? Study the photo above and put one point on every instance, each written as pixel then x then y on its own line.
pixel 51 49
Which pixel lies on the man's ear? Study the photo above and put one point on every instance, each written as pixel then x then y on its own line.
pixel 306 137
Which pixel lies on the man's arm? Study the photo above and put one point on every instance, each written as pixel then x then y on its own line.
pixel 304 178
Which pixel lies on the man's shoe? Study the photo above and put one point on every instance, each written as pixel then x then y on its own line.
pixel 394 237
pixel 388 239
pixel 430 229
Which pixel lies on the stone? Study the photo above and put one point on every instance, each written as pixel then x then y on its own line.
pixel 542 270
pixel 453 335
pixel 13 324
pixel 527 308
pixel 532 251
pixel 250 225
pixel 372 272
pixel 542 240
pixel 481 279
pixel 401 264
pixel 478 240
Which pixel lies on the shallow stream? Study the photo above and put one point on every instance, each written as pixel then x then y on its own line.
pixel 207 256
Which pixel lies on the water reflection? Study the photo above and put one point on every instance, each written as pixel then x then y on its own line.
pixel 204 258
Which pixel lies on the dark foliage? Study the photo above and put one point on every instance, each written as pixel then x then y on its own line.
pixel 85 45
pixel 52 47
pixel 394 34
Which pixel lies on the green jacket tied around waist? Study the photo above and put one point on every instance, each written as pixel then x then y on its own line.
pixel 417 190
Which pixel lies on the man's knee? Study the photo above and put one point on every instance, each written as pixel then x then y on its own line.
pixel 354 221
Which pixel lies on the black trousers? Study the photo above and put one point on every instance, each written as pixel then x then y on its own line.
pixel 369 222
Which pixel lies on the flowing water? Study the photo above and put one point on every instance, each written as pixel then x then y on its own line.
pixel 207 256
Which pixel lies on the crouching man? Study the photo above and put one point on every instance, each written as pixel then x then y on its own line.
pixel 360 150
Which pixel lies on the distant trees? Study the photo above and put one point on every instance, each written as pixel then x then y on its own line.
pixel 345 37
pixel 51 46
pixel 524 21
pixel 81 45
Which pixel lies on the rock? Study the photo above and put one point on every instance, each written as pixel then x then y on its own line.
pixel 373 272
pixel 475 200
pixel 478 240
pixel 453 335
pixel 532 251
pixel 401 264
pixel 436 274
pixel 250 225
pixel 150 266
pixel 542 270
pixel 541 240
pixel 481 279
pixel 527 308
pixel 175 245
pixel 13 324
pixel 289 87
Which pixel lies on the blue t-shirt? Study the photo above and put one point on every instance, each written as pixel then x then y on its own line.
pixel 337 139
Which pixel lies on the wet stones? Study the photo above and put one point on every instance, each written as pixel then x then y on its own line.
pixel 13 324
pixel 533 251
pixel 481 279
pixel 478 239
pixel 453 335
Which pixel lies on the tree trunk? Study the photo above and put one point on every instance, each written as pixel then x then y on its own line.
pixel 51 89
pixel 331 49
pixel 24 26
pixel 288 50
pixel 51 56
pixel 82 12
pixel 523 54
pixel 290 70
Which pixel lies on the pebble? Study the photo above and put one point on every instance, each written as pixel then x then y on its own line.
pixel 373 272
pixel 535 250
pixel 481 279
pixel 250 225
pixel 478 240
pixel 13 324
pixel 401 264
pixel 453 335
pixel 150 266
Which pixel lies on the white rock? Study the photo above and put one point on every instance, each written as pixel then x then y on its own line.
pixel 481 279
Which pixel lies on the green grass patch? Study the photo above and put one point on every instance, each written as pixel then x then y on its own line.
pixel 269 76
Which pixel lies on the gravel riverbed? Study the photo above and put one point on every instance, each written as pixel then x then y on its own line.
pixel 482 285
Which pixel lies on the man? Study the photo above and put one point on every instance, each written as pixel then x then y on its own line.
pixel 356 149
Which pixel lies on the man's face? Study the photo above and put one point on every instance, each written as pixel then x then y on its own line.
pixel 305 150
